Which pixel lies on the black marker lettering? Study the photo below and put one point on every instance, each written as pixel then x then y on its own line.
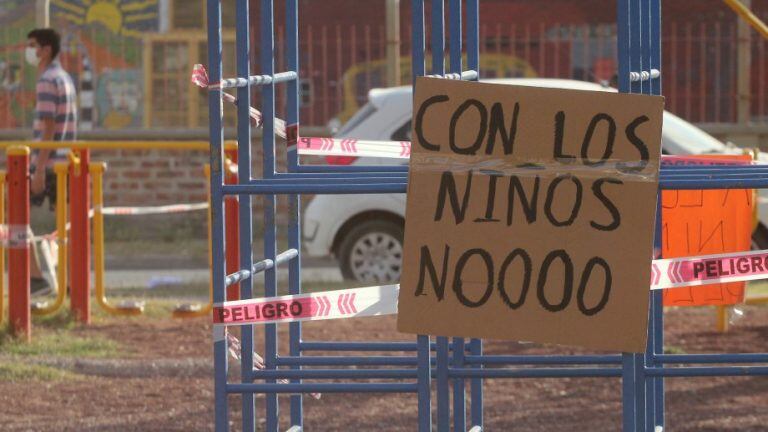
pixel 601 117
pixel 426 264
pixel 497 127
pixel 418 127
pixel 458 284
pixel 551 196
pixel 448 187
pixel 483 128
pixel 615 215
pixel 567 280
pixel 526 259
pixel 583 286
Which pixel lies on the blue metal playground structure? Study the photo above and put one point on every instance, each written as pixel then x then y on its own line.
pixel 412 366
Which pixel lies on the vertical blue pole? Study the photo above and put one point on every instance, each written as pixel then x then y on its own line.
pixel 438 37
pixel 438 68
pixel 294 224
pixel 270 231
pixel 635 54
pixel 473 63
pixel 629 421
pixel 455 66
pixel 216 132
pixel 623 25
pixel 443 397
pixel 658 299
pixel 243 57
pixel 423 353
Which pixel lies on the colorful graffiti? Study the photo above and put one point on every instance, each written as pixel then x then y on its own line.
pixel 122 17
pixel 118 98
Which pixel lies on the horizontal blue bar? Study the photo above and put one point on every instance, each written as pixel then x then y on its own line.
pixel 711 358
pixel 357 346
pixel 541 360
pixel 267 187
pixel 363 346
pixel 387 176
pixel 707 371
pixel 714 183
pixel 335 374
pixel 534 373
pixel 346 361
pixel 351 168
pixel 323 388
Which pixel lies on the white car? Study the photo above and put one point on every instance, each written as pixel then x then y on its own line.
pixel 365 232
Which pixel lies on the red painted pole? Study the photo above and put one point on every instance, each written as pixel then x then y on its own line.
pixel 18 242
pixel 79 238
pixel 232 224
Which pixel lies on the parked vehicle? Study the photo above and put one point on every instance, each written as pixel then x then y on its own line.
pixel 365 232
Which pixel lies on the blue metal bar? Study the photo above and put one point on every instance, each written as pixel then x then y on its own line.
pixel 655 390
pixel 271 188
pixel 459 396
pixel 259 80
pixel 364 346
pixel 352 168
pixel 336 374
pixel 347 361
pixel 417 38
pixel 629 421
pixel 216 133
pixel 437 37
pixel 423 383
pixel 337 178
pixel 678 372
pixel 543 359
pixel 710 358
pixel 243 57
pixel 267 52
pixel 443 408
pixel 455 34
pixel 535 373
pixel 322 388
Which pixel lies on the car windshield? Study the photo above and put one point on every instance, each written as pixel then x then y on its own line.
pixel 681 137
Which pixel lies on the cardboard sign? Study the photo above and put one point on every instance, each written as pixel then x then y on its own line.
pixel 703 222
pixel 530 214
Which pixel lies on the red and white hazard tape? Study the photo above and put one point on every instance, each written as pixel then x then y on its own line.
pixel 19 236
pixel 356 302
pixel 382 300
pixel 709 269
pixel 354 147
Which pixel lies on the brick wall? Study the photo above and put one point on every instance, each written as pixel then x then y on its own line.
pixel 153 177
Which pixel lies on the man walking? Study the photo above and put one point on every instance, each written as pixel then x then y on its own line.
pixel 55 120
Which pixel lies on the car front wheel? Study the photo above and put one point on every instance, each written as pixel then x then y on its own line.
pixel 372 252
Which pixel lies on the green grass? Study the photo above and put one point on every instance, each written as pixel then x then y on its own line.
pixel 58 344
pixel 15 370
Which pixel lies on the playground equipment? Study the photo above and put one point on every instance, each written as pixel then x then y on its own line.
pixel 450 363
pixel 73 253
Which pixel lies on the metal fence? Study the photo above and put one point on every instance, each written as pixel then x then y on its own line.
pixel 143 82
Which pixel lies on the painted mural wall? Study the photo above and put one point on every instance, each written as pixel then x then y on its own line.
pixel 101 49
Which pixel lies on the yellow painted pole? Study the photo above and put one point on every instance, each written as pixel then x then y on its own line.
pixel 97 174
pixel 61 169
pixel 743 11
pixel 2 248
pixel 722 318
pixel 192 311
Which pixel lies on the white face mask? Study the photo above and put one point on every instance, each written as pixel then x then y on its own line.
pixel 30 54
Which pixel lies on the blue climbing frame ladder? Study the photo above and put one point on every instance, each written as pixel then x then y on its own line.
pixel 446 361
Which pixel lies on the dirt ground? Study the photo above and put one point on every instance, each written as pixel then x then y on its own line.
pixel 159 379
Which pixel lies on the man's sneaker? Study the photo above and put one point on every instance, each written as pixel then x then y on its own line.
pixel 39 287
